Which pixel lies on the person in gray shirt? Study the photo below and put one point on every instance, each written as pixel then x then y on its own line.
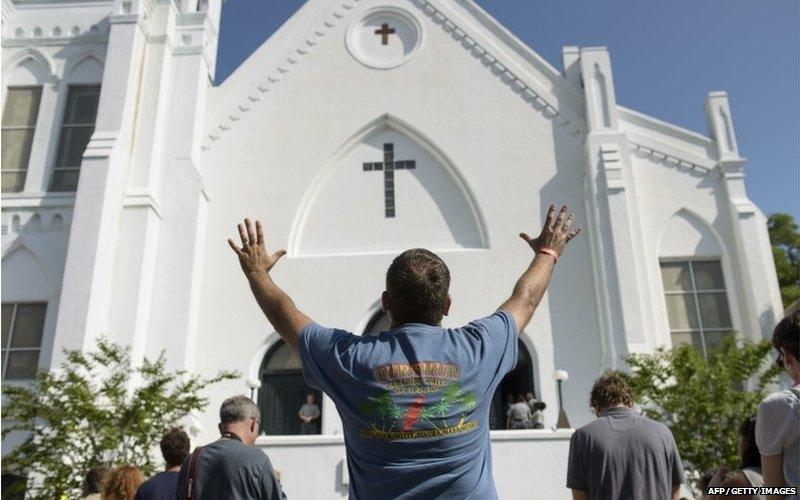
pixel 231 467
pixel 309 414
pixel 622 455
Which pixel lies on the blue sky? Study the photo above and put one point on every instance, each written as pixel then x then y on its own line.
pixel 666 57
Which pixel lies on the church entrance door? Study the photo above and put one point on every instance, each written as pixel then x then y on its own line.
pixel 518 381
pixel 283 391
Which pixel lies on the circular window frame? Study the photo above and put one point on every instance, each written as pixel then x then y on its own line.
pixel 351 35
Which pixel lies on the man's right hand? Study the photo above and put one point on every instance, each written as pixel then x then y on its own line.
pixel 530 287
pixel 556 232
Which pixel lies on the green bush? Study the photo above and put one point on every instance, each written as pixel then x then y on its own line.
pixel 97 409
pixel 703 401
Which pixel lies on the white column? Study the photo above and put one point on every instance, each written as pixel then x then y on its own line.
pixel 38 169
pixel 86 290
pixel 176 294
pixel 614 227
pixel 762 307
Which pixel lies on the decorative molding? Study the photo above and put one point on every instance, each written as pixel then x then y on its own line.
pixel 666 159
pixel 611 162
pixel 34 55
pixel 482 54
pixel 36 219
pixel 57 35
pixel 100 145
pixel 142 198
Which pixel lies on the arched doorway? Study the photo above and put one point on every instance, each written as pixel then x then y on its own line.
pixel 283 391
pixel 517 381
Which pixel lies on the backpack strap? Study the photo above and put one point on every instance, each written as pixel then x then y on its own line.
pixel 191 473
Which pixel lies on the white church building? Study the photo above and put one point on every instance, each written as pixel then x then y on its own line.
pixel 359 129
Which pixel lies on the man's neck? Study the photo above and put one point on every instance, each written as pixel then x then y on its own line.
pixel 232 430
pixel 613 407
pixel 393 325
pixel 174 468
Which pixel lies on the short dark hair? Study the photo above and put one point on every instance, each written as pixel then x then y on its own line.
pixel 610 390
pixel 751 456
pixel 417 283
pixel 175 447
pixel 93 483
pixel 787 334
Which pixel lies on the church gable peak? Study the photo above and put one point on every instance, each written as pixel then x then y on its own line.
pixel 482 38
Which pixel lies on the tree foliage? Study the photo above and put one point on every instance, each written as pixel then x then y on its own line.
pixel 97 409
pixel 785 237
pixel 702 401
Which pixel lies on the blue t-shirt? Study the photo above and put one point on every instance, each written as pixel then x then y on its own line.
pixel 162 486
pixel 414 403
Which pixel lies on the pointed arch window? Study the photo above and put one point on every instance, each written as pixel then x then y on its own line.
pixel 77 127
pixel 22 326
pixel 19 124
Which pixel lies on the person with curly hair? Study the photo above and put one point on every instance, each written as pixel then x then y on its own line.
pixel 122 483
pixel 622 454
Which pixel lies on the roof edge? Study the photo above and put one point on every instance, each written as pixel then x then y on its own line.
pixel 652 123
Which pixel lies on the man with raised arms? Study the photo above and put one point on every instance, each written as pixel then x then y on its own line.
pixel 414 400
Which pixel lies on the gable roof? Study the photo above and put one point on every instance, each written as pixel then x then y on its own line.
pixel 525 72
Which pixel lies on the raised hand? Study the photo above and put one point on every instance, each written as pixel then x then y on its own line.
pixel 253 255
pixel 556 233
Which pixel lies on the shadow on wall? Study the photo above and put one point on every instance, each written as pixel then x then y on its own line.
pixel 575 326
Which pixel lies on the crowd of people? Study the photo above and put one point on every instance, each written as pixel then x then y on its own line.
pixel 524 412
pixel 621 454
pixel 380 384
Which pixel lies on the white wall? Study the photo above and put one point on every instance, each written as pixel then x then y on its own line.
pixel 527 465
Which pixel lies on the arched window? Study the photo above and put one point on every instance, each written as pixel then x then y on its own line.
pixel 518 381
pixel 283 391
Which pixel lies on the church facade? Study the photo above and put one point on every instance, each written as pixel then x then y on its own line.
pixel 359 129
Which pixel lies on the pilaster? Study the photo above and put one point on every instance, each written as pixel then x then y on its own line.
pixel 614 225
pixel 762 306
pixel 87 285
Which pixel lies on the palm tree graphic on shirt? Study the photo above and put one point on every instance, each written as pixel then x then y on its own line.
pixel 387 415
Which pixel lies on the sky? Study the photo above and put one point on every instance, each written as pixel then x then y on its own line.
pixel 666 56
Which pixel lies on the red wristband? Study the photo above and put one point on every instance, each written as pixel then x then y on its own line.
pixel 549 251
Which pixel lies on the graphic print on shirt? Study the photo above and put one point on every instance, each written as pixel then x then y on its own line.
pixel 419 400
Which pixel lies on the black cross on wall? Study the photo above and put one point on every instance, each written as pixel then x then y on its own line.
pixel 389 165
pixel 384 32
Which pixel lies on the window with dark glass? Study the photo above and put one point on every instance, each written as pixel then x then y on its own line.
pixel 697 303
pixel 22 324
pixel 77 127
pixel 19 124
